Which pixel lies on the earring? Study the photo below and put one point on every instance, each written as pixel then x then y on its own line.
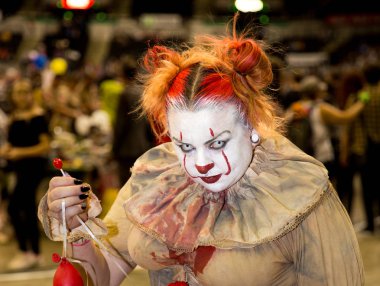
pixel 255 138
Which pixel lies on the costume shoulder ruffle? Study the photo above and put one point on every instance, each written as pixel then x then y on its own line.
pixel 281 186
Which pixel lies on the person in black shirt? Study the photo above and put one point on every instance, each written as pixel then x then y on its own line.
pixel 26 152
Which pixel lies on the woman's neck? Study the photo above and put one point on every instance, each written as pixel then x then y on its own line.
pixel 27 113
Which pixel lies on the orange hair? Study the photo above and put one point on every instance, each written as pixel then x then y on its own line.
pixel 232 69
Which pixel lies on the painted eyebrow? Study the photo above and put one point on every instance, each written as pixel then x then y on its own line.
pixel 216 137
pixel 208 141
pixel 175 139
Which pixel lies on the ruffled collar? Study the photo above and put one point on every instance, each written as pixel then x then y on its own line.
pixel 281 186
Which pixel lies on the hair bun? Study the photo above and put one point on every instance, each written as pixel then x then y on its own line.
pixel 248 59
pixel 244 55
pixel 156 56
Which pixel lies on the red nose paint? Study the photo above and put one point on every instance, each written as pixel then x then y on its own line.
pixel 204 169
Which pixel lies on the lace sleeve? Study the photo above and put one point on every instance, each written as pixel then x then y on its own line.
pixel 54 229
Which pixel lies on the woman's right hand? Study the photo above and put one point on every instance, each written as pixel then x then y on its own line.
pixel 75 193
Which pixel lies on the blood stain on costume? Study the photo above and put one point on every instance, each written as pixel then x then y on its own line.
pixel 181 259
pixel 202 257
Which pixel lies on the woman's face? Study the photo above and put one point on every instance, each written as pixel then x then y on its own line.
pixel 23 98
pixel 213 146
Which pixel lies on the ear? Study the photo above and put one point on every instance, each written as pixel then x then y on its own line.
pixel 255 138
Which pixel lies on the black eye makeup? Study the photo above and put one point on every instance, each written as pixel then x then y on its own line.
pixel 186 148
pixel 220 141
pixel 217 144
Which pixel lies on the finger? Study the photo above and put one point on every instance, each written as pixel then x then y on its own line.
pixel 56 205
pixel 59 193
pixel 84 215
pixel 74 222
pixel 70 213
pixel 60 181
pixel 79 211
pixel 68 191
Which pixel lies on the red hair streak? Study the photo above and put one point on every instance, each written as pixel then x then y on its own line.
pixel 216 86
pixel 177 88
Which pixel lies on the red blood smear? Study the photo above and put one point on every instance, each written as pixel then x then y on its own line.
pixel 57 163
pixel 203 256
pixel 178 283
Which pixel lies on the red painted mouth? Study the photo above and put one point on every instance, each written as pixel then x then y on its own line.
pixel 211 180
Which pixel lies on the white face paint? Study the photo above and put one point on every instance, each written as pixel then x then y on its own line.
pixel 213 147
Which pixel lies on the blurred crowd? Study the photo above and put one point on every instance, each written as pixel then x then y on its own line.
pixel 326 121
pixel 87 117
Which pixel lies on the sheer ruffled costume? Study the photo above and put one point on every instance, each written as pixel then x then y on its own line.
pixel 280 224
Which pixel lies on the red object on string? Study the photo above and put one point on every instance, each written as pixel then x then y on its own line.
pixel 178 283
pixel 56 258
pixel 57 163
pixel 66 274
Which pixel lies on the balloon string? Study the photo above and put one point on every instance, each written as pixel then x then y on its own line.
pixel 64 229
pixel 101 244
pixel 65 240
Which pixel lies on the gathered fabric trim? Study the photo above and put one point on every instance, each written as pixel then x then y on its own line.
pixel 265 204
pixel 226 244
pixel 54 229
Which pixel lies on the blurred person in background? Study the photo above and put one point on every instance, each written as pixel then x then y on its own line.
pixel 11 74
pixel 132 135
pixel 351 138
pixel 26 151
pixel 4 174
pixel 93 122
pixel 64 107
pixel 111 86
pixel 7 77
pixel 94 133
pixel 289 88
pixel 315 139
pixel 371 129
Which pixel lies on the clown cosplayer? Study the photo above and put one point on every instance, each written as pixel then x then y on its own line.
pixel 229 201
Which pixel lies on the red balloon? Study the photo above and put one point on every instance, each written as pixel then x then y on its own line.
pixel 57 163
pixel 67 275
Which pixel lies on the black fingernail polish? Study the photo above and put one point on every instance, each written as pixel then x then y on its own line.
pixel 83 196
pixel 83 206
pixel 77 181
pixel 84 189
